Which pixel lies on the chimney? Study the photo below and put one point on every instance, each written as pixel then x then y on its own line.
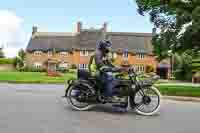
pixel 79 26
pixel 105 26
pixel 34 29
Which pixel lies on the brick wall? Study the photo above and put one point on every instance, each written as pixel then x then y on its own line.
pixel 75 58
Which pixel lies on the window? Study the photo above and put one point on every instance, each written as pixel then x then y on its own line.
pixel 83 53
pixel 83 66
pixel 125 54
pixel 37 65
pixel 64 53
pixel 38 53
pixel 140 55
pixel 140 68
pixel 50 53
pixel 63 65
pixel 91 53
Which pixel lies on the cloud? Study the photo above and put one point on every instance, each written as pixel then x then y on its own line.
pixel 12 34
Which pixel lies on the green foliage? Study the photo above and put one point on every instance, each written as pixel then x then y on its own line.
pixel 173 18
pixel 149 69
pixel 73 66
pixel 31 69
pixel 19 60
pixel 33 77
pixel 21 54
pixel 72 71
pixel 178 22
pixel 183 66
pixel 6 61
pixel 173 90
pixel 62 69
pixel 1 53
pixel 196 64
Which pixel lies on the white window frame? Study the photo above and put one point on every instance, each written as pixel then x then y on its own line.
pixel 50 53
pixel 141 55
pixel 83 66
pixel 64 53
pixel 37 53
pixel 140 68
pixel 37 65
pixel 125 55
pixel 91 53
pixel 64 65
pixel 84 53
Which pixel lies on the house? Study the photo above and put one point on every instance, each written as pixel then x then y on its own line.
pixel 51 50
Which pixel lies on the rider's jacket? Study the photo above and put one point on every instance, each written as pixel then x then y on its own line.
pixel 99 61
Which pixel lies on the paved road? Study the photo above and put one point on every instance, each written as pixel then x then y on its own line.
pixel 40 109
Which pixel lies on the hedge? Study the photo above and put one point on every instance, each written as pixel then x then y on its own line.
pixel 6 61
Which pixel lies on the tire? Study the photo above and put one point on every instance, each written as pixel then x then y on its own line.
pixel 157 108
pixel 85 108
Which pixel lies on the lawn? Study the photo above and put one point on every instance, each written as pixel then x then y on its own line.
pixel 37 77
pixel 178 90
pixel 33 77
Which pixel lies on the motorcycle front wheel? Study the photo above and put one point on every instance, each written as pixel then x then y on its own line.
pixel 72 95
pixel 147 101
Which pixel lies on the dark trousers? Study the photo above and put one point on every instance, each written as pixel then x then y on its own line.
pixel 108 82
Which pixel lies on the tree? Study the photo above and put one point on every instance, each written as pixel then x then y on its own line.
pixel 1 53
pixel 19 59
pixel 196 63
pixel 183 65
pixel 178 22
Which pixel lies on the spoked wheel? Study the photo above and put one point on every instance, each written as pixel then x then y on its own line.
pixel 148 101
pixel 75 97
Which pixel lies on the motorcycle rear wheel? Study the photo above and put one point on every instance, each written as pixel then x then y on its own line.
pixel 83 107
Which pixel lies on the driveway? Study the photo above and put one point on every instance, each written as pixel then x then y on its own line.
pixel 32 108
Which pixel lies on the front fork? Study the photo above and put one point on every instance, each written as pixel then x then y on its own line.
pixel 134 89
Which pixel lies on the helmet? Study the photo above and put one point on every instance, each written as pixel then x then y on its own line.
pixel 105 45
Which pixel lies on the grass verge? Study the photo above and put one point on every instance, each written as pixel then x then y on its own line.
pixel 39 77
pixel 173 90
pixel 33 77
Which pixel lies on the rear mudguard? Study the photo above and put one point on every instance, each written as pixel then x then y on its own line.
pixel 71 83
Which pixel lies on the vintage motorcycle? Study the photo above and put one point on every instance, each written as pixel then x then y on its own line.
pixel 87 91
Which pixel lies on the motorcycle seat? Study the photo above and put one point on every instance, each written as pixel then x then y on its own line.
pixel 83 74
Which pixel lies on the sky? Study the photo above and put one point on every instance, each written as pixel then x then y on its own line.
pixel 18 16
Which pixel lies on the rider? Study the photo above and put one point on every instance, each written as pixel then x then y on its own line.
pixel 101 62
pixel 104 66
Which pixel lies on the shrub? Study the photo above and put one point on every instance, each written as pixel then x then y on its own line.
pixel 6 61
pixel 31 69
pixel 53 74
pixel 73 66
pixel 72 70
pixel 62 69
pixel 149 69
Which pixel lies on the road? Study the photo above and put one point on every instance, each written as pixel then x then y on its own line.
pixel 28 108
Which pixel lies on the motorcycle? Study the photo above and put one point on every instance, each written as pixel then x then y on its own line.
pixel 87 91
